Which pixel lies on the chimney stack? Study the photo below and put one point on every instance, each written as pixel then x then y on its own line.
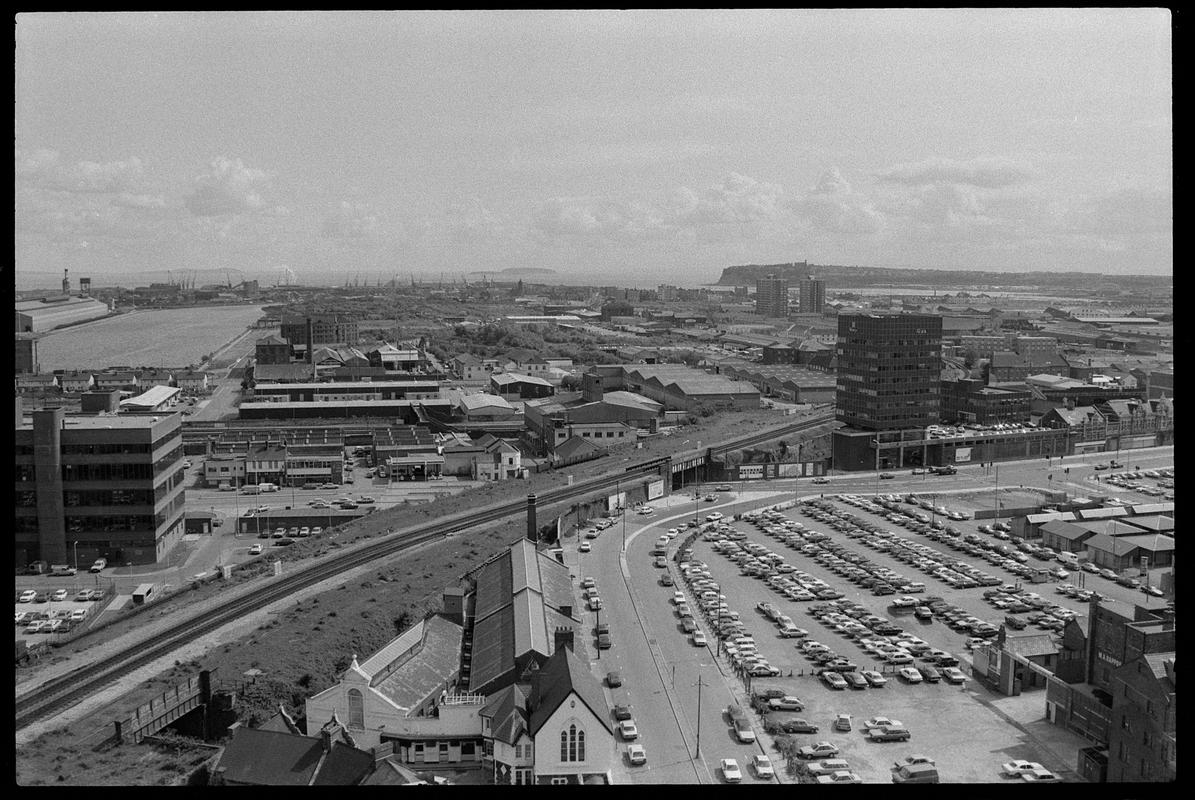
pixel 532 529
pixel 563 637
pixel 326 735
pixel 309 353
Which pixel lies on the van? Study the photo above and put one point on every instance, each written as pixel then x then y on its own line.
pixel 251 489
pixel 913 588
pixel 1068 559
pixel 915 773
pixel 267 487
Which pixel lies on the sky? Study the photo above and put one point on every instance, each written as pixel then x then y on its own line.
pixel 660 145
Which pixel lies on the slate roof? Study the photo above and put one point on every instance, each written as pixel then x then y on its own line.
pixel 274 758
pixel 575 446
pixel 415 664
pixel 1037 644
pixel 474 402
pixel 562 674
pixel 1157 665
pixel 507 712
pixel 1065 530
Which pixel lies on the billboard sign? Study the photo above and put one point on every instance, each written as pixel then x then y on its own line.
pixel 749 472
pixel 962 454
pixel 616 501
pixel 655 490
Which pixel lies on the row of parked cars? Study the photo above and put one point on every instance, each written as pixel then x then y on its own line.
pixel 35 596
pixel 724 621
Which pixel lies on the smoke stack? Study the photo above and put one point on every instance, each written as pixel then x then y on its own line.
pixel 532 529
pixel 310 355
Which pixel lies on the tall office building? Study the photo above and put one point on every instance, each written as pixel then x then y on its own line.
pixel 889 368
pixel 92 486
pixel 771 296
pixel 813 295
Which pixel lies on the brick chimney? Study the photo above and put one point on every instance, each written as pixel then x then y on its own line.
pixel 563 637
pixel 310 355
pixel 532 530
pixel 326 736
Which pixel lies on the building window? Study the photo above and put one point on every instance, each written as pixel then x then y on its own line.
pixel 468 749
pixel 572 744
pixel 560 781
pixel 487 748
pixel 564 746
pixel 356 710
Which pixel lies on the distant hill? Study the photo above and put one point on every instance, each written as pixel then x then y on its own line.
pixel 841 277
pixel 515 272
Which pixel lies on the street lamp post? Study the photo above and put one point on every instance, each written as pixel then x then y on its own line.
pixel 76 555
pixel 700 683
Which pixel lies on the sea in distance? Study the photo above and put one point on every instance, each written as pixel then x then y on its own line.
pixel 172 337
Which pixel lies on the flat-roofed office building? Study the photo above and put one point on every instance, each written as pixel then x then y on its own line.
pixel 889 370
pixel 98 486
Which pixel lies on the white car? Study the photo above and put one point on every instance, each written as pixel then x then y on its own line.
pixel 647 510
pixel 730 771
pixel 841 776
pixel 27 596
pixel 627 729
pixel 255 550
pixel 1040 776
pixel 762 766
pixel 61 594
pixel 1019 766
pixel 910 674
pixel 636 754
pixel 714 517
pixel 699 639
pixel 584 547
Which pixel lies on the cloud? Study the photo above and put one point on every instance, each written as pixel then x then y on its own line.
pixel 738 200
pixel 352 221
pixel 470 220
pixel 985 172
pixel 228 187
pixel 831 205
pixel 45 169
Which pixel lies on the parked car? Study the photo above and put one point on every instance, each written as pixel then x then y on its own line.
pixel 827 766
pixel 840 776
pixel 842 722
pixel 833 680
pixel 1040 776
pixel 27 596
pixel 762 766
pixel 622 712
pixel 1018 766
pixel 874 678
pixel 730 771
pixel 818 750
pixel 909 675
pixel 636 754
pixel 627 729
pixel 256 550
pixel 100 565
pixel 613 679
pixel 60 594
pixel 798 726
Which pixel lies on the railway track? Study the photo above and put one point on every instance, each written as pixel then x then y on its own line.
pixel 64 690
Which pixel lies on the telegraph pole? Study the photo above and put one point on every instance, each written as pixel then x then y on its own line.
pixel 699 684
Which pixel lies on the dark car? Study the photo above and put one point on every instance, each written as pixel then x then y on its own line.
pixel 798 726
pixel 601 627
pixel 604 642
pixel 930 674
pixel 622 712
pixel 855 680
pixel 613 680
pixel 665 579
